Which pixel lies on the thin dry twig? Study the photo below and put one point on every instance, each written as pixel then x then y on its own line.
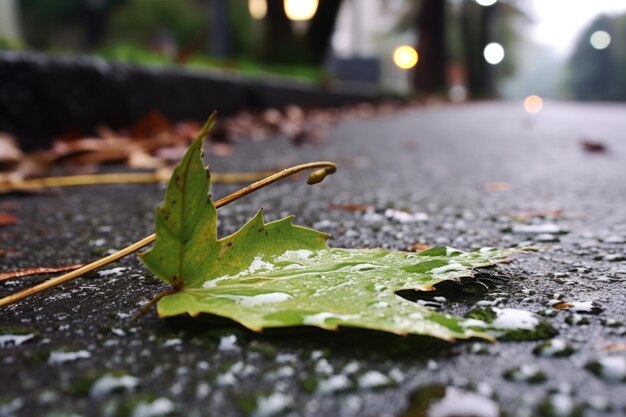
pixel 39 270
pixel 322 169
pixel 37 184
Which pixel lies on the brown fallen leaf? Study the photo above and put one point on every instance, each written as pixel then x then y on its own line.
pixel 155 141
pixel 65 149
pixel 9 252
pixel 272 117
pixel 417 247
pixel 613 347
pixel 295 113
pixel 527 214
pixel 593 146
pixel 139 159
pixel 308 136
pixel 221 149
pixel 365 111
pixel 171 154
pixel 497 187
pixel 40 270
pixel 9 151
pixel 349 207
pixel 151 124
pixel 562 305
pixel 187 129
pixel 34 164
pixel 69 134
pixel 7 219
pixel 99 157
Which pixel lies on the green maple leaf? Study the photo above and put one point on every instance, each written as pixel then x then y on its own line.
pixel 276 274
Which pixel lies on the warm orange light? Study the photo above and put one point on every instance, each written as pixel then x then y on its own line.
pixel 405 57
pixel 257 8
pixel 300 9
pixel 533 104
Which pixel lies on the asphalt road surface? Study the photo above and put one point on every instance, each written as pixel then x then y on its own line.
pixel 467 176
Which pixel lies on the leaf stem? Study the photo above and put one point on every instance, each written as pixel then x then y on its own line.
pixel 145 309
pixel 329 168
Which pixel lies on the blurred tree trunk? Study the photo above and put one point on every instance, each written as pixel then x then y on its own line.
pixel 279 43
pixel 220 29
pixel 95 16
pixel 321 28
pixel 598 74
pixel 430 72
pixel 478 22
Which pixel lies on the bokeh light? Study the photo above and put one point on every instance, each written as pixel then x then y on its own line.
pixel 494 53
pixel 486 3
pixel 405 57
pixel 300 9
pixel 533 104
pixel 600 39
pixel 257 8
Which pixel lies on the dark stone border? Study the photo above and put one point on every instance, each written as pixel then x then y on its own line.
pixel 43 96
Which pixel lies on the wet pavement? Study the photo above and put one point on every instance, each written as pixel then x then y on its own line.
pixel 470 176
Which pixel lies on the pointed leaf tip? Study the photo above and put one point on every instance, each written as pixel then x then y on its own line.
pixel 208 126
pixel 185 222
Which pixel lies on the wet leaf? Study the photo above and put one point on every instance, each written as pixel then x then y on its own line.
pixel 276 274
